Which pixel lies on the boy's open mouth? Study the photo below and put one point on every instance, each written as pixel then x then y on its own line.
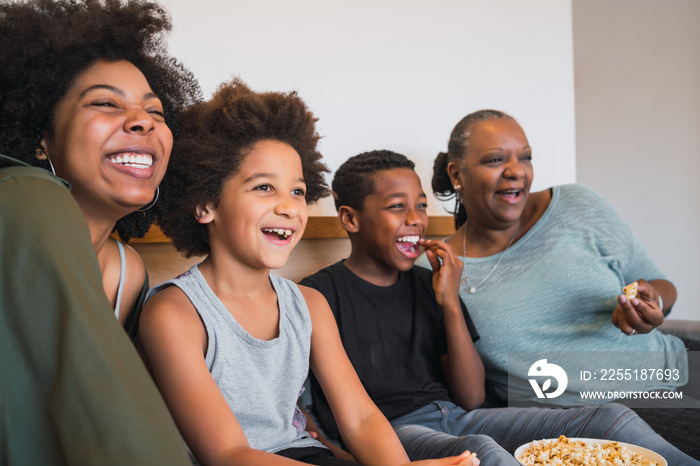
pixel 278 233
pixel 408 245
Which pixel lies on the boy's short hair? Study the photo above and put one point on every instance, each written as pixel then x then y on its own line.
pixel 215 138
pixel 354 180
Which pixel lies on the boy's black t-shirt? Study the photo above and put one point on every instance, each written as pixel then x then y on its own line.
pixel 394 337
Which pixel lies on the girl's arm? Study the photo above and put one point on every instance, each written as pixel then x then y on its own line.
pixel 173 341
pixel 463 368
pixel 365 430
pixel 315 432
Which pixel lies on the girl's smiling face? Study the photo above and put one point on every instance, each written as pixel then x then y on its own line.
pixel 262 212
pixel 109 139
pixel 496 172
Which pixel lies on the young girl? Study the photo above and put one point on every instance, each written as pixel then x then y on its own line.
pixel 230 344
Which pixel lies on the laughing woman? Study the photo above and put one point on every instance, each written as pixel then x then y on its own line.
pixel 544 271
pixel 88 102
pixel 89 94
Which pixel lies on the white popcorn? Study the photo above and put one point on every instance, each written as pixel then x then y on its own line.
pixel 564 451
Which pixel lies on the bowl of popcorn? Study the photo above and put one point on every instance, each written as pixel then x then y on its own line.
pixel 585 452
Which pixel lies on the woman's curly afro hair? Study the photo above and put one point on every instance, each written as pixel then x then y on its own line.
pixel 354 179
pixel 215 138
pixel 46 44
pixel 456 149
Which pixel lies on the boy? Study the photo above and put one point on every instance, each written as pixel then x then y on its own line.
pixel 409 337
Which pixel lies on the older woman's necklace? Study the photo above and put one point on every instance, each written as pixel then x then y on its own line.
pixel 470 288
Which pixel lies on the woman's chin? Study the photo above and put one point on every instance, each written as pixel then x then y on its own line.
pixel 140 200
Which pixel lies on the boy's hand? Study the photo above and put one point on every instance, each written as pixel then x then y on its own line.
pixel 336 450
pixel 447 271
pixel 640 314
pixel 315 433
pixel 462 366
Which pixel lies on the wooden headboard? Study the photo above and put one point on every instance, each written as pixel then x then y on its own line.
pixel 324 242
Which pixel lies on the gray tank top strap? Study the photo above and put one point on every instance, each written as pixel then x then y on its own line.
pixel 122 275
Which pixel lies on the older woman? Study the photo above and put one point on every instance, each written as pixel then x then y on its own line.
pixel 89 95
pixel 544 271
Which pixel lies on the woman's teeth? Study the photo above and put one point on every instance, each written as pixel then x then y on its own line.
pixel 510 193
pixel 132 160
pixel 281 232
pixel 408 239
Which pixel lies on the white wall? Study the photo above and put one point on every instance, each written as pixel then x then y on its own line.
pixel 399 74
pixel 396 74
pixel 638 125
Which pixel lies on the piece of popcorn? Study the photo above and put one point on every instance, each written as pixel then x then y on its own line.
pixel 630 290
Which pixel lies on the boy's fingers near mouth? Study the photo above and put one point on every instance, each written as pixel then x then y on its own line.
pixel 431 245
pixel 438 245
pixel 432 253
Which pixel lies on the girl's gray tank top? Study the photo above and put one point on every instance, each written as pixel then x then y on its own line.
pixel 261 380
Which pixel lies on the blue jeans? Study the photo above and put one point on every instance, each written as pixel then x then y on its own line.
pixel 443 429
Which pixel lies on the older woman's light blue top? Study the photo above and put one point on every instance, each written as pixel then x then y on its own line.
pixel 554 291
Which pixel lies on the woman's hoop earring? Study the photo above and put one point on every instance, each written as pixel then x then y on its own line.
pixel 153 202
pixel 41 154
pixel 53 170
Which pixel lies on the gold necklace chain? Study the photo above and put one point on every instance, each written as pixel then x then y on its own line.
pixel 472 289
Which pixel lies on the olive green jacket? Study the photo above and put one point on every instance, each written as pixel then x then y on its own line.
pixel 72 388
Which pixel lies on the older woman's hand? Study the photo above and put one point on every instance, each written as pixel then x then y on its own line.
pixel 640 314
